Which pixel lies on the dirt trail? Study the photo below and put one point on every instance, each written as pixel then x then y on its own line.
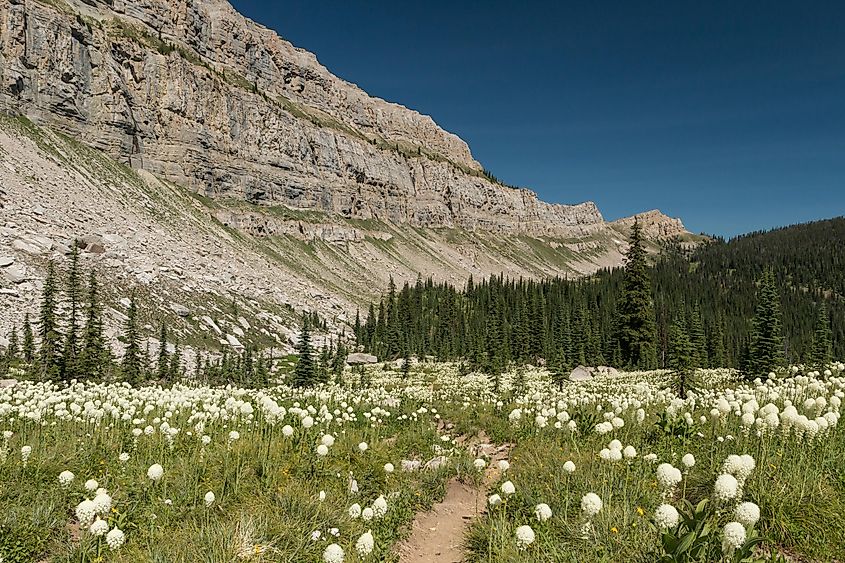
pixel 438 535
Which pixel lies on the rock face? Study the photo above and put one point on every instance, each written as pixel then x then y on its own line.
pixel 359 358
pixel 197 94
pixel 654 224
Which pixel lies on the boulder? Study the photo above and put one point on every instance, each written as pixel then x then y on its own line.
pixel 233 341
pixel 607 371
pixel 580 374
pixel 33 244
pixel 180 310
pixel 360 358
pixel 4 343
pixel 6 261
pixel 15 274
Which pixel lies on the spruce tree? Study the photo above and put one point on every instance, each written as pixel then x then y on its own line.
pixel 50 350
pixel 174 370
pixel 303 373
pixel 682 355
pixel 70 361
pixel 93 358
pixel 28 350
pixel 406 363
pixel 637 326
pixel 697 337
pixel 766 352
pixel 822 350
pixel 131 366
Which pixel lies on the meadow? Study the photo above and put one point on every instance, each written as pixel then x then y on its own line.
pixel 617 468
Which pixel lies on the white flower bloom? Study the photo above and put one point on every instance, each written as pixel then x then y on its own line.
pixel 367 514
pixel 65 479
pixel 747 514
pixel 102 503
pixel 380 507
pixel 524 537
pixel 591 504
pixel 726 487
pixel 365 544
pixel 733 536
pixel 569 467
pixel 363 446
pixel 355 511
pixel 85 511
pixel 115 538
pixel 155 472
pixel 210 498
pixel 668 476
pixel 234 435
pixel 322 450
pixel 666 516
pixel 494 500
pixel 508 488
pixel 123 457
pixel 688 461
pixel 99 527
pixel 91 485
pixel 629 452
pixel 479 464
pixel 333 554
pixel 504 465
pixel 287 430
pixel 543 512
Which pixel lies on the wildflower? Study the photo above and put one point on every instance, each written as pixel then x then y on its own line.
pixel 747 514
pixel 322 450
pixel 479 464
pixel 327 440
pixel 91 485
pixel 365 544
pixel 569 467
pixel 209 498
pixel 494 500
pixel 363 446
pixel 367 514
pixel 123 457
pixel 333 554
pixel 524 537
pixel 85 511
pixel 102 503
pixel 668 476
pixel 99 527
pixel 733 536
pixel 115 538
pixel 155 472
pixel 504 465
pixel 726 487
pixel 380 507
pixel 591 504
pixel 234 435
pixel 542 512
pixel 688 461
pixel 65 479
pixel 287 430
pixel 26 451
pixel 388 468
pixel 307 422
pixel 666 516
pixel 629 452
pixel 508 488
pixel 354 511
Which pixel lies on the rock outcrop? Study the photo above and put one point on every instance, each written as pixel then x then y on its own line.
pixel 197 94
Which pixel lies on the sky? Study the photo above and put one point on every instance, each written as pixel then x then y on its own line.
pixel 727 114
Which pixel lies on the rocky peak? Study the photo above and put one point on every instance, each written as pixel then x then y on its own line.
pixel 655 224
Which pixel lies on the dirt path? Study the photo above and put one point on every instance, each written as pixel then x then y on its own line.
pixel 438 535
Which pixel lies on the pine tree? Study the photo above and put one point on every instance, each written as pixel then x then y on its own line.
pixel 697 338
pixel 406 363
pixel 70 362
pixel 766 351
pixel 303 373
pixel 262 376
pixel 682 355
pixel 163 363
pixel 13 350
pixel 28 350
pixel 50 350
pixel 131 366
pixel 174 370
pixel 822 350
pixel 93 358
pixel 637 326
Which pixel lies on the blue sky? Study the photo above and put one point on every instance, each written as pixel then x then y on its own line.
pixel 728 114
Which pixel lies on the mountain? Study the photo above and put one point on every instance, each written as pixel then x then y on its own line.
pixel 196 153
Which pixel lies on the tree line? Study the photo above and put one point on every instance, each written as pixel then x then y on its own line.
pixel 754 303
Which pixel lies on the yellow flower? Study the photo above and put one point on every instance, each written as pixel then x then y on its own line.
pixel 615 530
pixel 640 511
